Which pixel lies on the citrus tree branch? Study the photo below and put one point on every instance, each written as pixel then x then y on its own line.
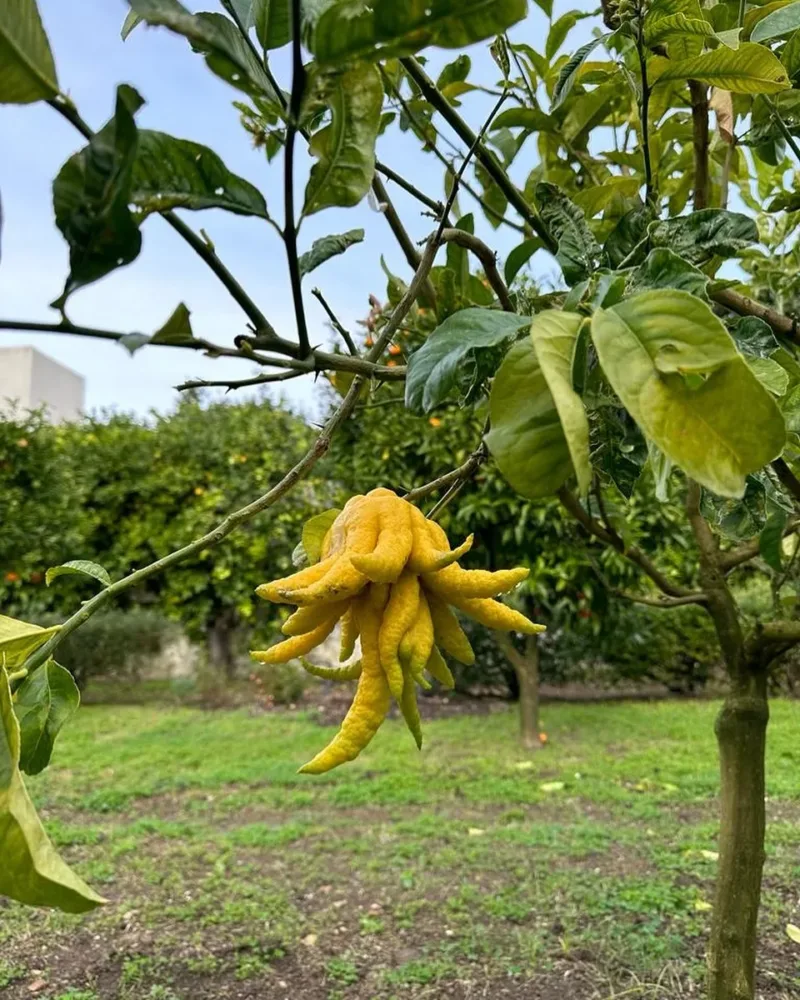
pixel 784 326
pixel 635 555
pixel 488 259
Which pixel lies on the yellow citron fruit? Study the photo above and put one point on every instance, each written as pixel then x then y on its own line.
pixel 390 576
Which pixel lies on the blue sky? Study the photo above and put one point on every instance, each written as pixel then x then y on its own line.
pixel 186 100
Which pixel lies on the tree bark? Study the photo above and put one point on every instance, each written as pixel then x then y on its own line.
pixel 221 654
pixel 741 730
pixel 741 735
pixel 699 95
pixel 526 667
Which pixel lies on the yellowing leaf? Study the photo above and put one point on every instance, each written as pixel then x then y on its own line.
pixel 701 906
pixel 750 69
pixel 793 933
pixel 710 855
pixel 554 334
pixel 552 786
pixel 677 371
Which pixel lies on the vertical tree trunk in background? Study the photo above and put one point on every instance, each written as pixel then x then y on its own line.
pixel 741 730
pixel 526 667
pixel 741 735
pixel 221 654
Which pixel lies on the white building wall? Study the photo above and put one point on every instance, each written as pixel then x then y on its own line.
pixel 33 380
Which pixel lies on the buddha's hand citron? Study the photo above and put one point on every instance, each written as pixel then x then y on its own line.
pixel 390 576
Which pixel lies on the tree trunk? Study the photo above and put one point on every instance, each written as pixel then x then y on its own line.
pixel 526 667
pixel 741 735
pixel 221 655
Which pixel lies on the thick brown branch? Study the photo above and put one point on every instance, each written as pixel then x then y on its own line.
pixel 789 481
pixel 699 95
pixel 784 326
pixel 663 602
pixel 721 605
pixel 632 553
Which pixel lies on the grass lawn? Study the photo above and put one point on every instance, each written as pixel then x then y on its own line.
pixel 470 870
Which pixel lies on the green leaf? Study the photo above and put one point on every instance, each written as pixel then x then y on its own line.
pixel 273 21
pixel 555 335
pixel 711 232
pixel 599 197
pixel 44 703
pixel 354 29
pixel 19 640
pixel 750 69
pixel 777 24
pixel 133 341
pixel 754 337
pixel 661 29
pixel 177 173
pixel 569 71
pixel 519 257
pixel 527 440
pixel 227 53
pixel 456 71
pixel 91 195
pixel 533 119
pixel 458 257
pixel 628 233
pixel 81 567
pixel 31 872
pixel 770 374
pixel 661 467
pixel 770 541
pixel 665 269
pixel 459 355
pixel 327 247
pixel 648 346
pixel 27 69
pixel 559 30
pixel 177 329
pixel 577 248
pixel 130 22
pixel 314 531
pixel 345 149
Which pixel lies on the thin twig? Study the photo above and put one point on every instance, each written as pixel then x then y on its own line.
pixel 435 206
pixel 290 225
pixel 401 235
pixel 241 383
pixel 644 111
pixel 631 552
pixel 343 333
pixel 492 165
pixel 465 471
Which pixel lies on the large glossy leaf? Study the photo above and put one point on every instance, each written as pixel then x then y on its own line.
pixel 176 173
pixel 357 29
pixel 91 199
pixel 711 232
pixel 345 149
pixel 27 70
pixel 273 21
pixel 750 69
pixel 577 248
pixel 327 247
pixel 18 640
pixel 677 371
pixel 527 440
pixel 217 37
pixel 31 871
pixel 555 335
pixel 44 703
pixel 459 354
pixel 777 24
pixel 569 71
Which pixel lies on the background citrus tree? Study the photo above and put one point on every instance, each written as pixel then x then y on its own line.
pixel 648 351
